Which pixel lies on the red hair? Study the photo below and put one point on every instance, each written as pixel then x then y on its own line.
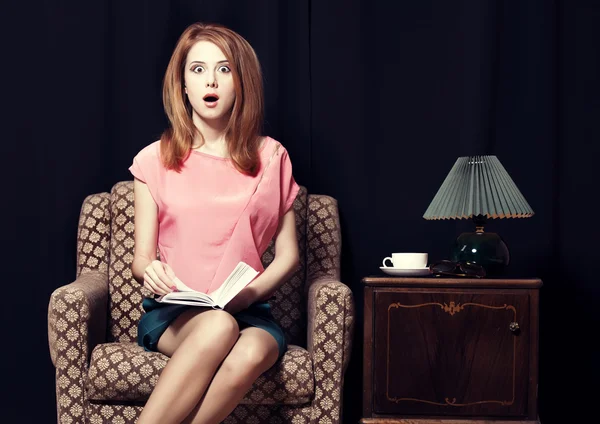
pixel 243 130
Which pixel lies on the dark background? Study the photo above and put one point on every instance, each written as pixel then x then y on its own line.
pixel 375 100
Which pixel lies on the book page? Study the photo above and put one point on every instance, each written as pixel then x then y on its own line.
pixel 182 287
pixel 239 278
pixel 188 298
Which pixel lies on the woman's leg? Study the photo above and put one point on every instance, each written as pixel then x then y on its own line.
pixel 255 352
pixel 197 341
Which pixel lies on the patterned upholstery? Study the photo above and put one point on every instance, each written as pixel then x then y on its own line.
pixel 124 371
pixel 102 376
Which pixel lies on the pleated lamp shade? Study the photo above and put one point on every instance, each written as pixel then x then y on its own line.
pixel 478 186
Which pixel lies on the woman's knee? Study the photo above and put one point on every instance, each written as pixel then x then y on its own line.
pixel 217 331
pixel 243 366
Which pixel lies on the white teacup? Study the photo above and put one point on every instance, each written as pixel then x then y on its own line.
pixel 407 260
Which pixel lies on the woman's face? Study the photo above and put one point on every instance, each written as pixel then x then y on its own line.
pixel 209 82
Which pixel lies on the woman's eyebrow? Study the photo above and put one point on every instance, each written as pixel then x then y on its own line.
pixel 204 63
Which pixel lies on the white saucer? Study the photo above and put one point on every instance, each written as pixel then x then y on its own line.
pixel 404 271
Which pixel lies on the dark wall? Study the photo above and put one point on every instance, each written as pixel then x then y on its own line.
pixel 374 100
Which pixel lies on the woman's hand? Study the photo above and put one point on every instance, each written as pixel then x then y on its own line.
pixel 158 278
pixel 243 300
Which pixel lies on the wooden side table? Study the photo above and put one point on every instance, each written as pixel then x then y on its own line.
pixel 450 350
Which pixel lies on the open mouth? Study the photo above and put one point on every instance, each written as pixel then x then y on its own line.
pixel 211 98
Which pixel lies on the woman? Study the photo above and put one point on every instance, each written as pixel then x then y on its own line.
pixel 210 193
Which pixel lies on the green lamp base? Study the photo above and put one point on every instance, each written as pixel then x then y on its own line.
pixel 485 249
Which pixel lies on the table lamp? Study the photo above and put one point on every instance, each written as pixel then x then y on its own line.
pixel 479 188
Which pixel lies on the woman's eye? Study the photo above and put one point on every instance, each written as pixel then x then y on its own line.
pixel 197 69
pixel 224 69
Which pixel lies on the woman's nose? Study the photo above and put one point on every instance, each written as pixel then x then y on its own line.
pixel 211 80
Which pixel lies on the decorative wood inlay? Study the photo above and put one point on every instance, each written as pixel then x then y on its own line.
pixel 452 308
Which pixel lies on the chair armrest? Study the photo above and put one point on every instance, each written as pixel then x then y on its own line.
pixel 77 318
pixel 77 315
pixel 330 333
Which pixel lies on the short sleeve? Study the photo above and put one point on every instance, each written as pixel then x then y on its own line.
pixel 147 167
pixel 289 187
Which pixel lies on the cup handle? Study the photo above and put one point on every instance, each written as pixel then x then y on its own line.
pixel 384 265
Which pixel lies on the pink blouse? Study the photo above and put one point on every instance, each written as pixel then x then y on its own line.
pixel 211 216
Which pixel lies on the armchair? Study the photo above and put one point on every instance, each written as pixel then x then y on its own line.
pixel 103 376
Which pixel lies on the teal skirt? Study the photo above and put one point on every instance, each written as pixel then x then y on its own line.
pixel 158 316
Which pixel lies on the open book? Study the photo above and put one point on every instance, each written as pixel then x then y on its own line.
pixel 239 278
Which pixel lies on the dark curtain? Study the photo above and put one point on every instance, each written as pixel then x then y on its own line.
pixel 374 100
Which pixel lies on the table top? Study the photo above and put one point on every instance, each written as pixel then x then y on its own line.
pixel 433 281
